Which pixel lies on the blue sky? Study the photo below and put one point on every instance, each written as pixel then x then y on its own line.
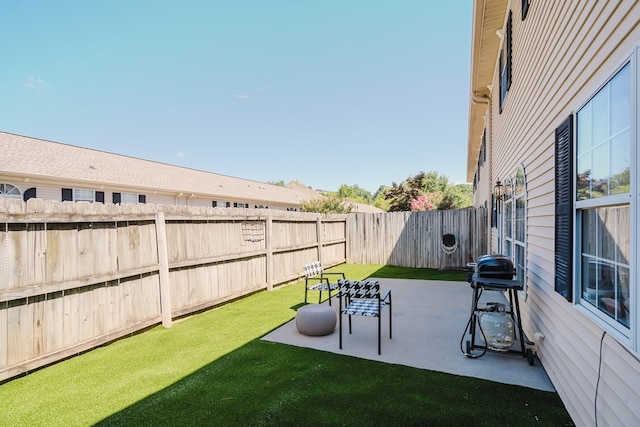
pixel 324 92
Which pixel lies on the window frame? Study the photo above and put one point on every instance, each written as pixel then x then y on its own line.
pixel 517 243
pixel 80 196
pixel 625 333
pixel 133 198
pixel 610 202
pixel 508 241
pixel 12 193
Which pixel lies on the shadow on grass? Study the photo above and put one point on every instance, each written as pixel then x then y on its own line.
pixel 265 383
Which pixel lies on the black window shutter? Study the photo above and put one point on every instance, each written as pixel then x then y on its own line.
pixel 500 98
pixel 100 196
pixel 67 194
pixel 564 210
pixel 508 58
pixel 116 198
pixel 484 145
pixel 142 198
pixel 525 8
pixel 29 194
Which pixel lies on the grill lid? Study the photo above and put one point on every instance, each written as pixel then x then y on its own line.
pixel 495 266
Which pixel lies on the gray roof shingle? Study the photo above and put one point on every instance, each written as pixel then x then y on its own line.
pixel 37 158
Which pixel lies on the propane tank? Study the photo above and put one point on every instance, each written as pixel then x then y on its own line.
pixel 497 327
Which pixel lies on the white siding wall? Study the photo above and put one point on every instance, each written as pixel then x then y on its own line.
pixel 47 190
pixel 562 53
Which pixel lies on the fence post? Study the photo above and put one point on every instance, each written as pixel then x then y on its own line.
pixel 163 261
pixel 319 237
pixel 269 249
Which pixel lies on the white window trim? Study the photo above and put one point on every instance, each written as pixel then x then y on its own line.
pixel 133 196
pixel 629 336
pixel 79 197
pixel 510 238
pixel 10 194
pixel 516 242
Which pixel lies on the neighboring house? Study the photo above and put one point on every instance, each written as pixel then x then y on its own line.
pixel 31 168
pixel 554 132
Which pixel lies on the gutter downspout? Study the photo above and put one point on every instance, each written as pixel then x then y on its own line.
pixel 486 100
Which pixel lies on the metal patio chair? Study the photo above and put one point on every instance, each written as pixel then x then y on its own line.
pixel 313 272
pixel 362 298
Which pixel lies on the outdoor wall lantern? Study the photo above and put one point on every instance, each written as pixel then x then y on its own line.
pixel 497 191
pixel 498 196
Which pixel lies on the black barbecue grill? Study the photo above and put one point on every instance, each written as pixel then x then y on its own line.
pixel 496 273
pixel 495 267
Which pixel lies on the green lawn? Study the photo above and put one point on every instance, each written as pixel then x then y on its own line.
pixel 212 369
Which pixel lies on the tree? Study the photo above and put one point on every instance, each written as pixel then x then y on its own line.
pixel 427 191
pixel 379 199
pixel 331 204
pixel 460 196
pixel 279 183
pixel 355 194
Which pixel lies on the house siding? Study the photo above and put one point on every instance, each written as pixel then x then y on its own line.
pixel 562 53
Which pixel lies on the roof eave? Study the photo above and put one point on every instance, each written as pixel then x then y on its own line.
pixel 488 16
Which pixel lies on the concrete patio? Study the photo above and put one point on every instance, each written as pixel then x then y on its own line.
pixel 429 320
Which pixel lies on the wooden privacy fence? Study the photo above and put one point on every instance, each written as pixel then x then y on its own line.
pixel 414 239
pixel 76 275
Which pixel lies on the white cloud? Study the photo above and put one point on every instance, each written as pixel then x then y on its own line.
pixel 180 154
pixel 35 84
pixel 242 95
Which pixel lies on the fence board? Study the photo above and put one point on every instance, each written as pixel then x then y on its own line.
pixel 54 322
pixel 4 339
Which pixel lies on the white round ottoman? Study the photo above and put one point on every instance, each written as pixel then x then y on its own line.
pixel 316 320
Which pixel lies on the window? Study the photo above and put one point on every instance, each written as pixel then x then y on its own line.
pixel 505 65
pixel 10 190
pixel 82 195
pixel 602 200
pixel 514 224
pixel 520 226
pixel 129 198
pixel 508 218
